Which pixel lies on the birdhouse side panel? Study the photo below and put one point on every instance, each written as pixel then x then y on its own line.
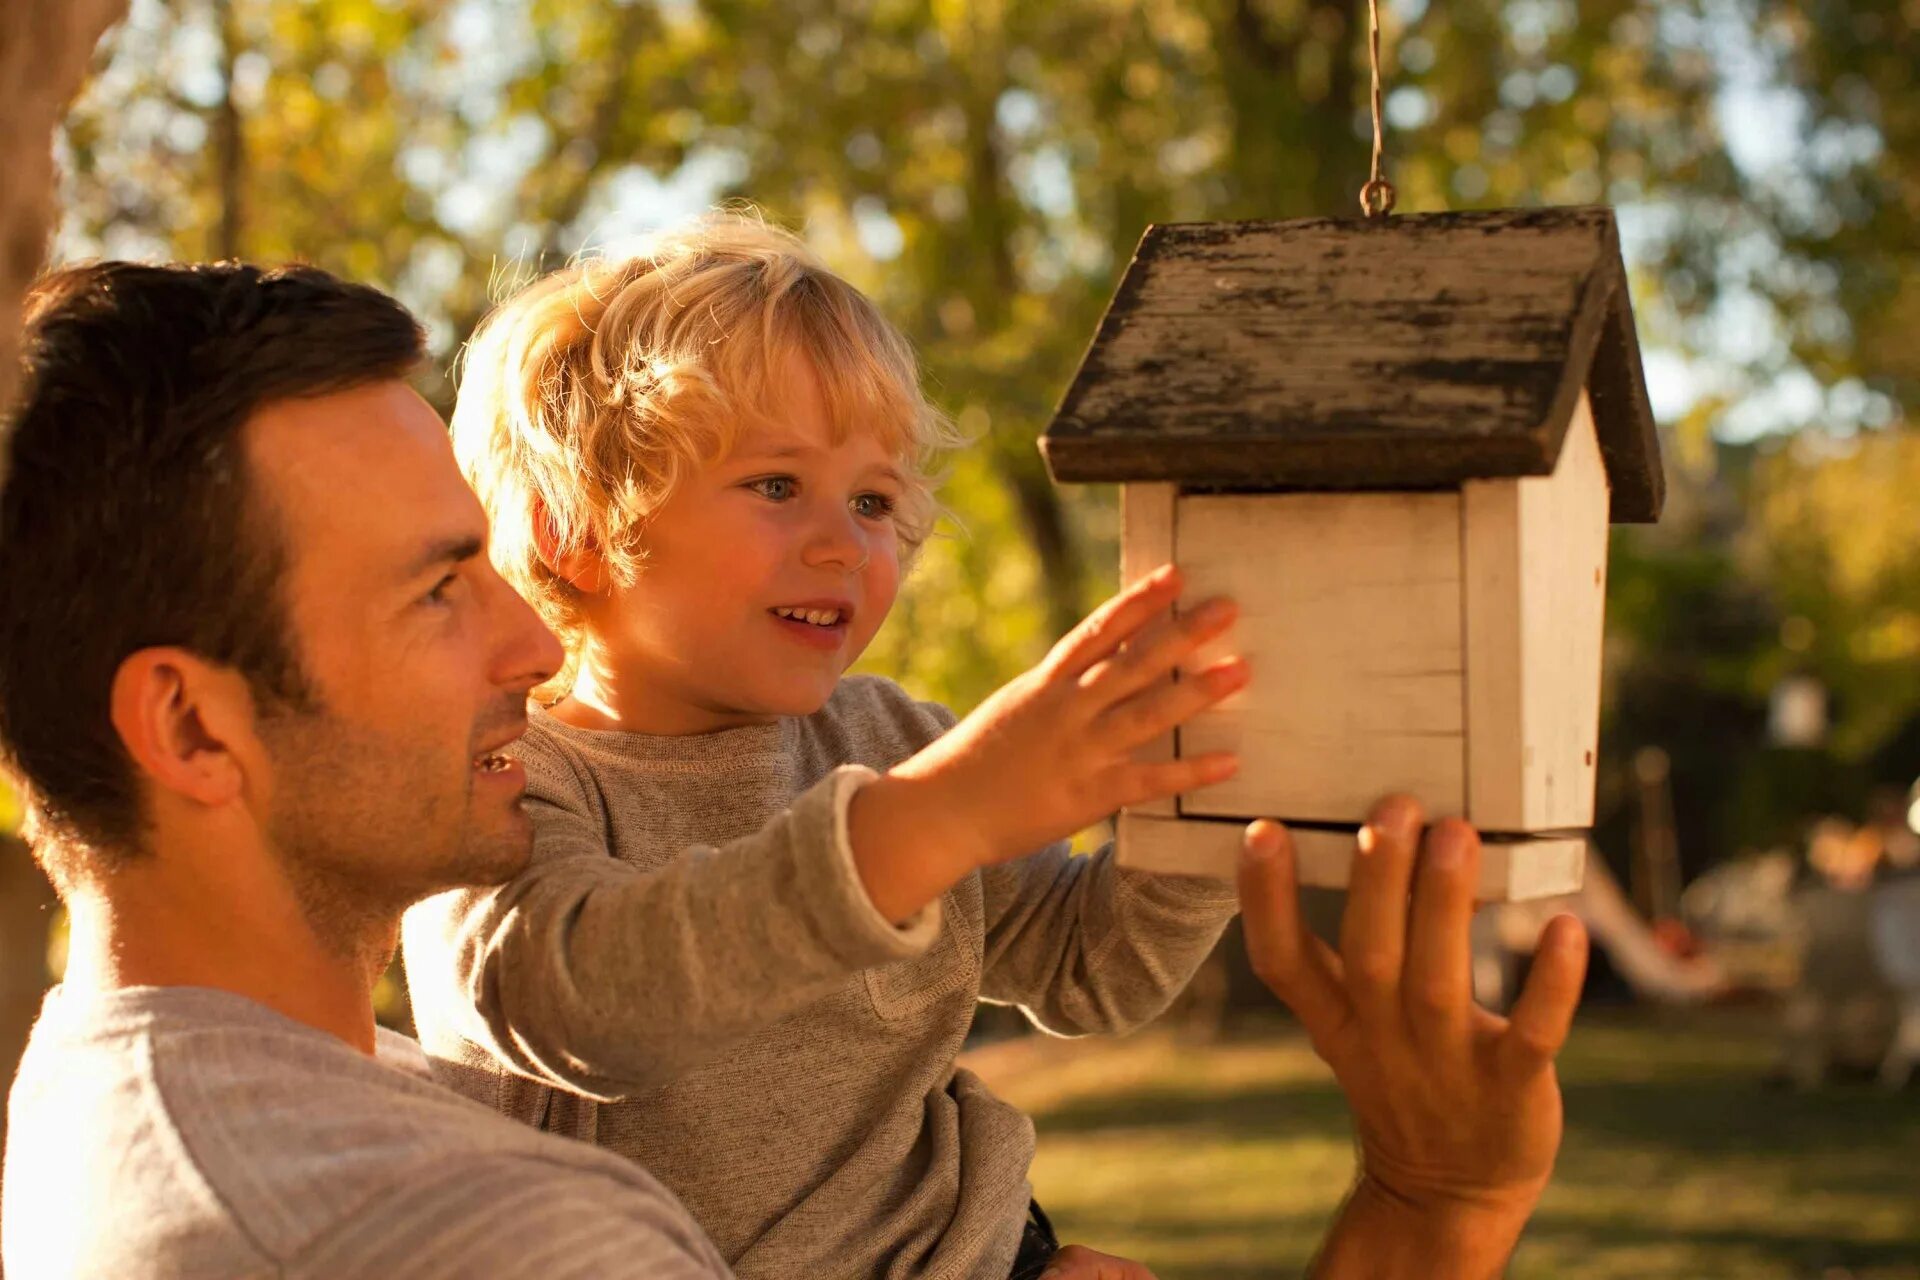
pixel 1350 608
pixel 1146 543
pixel 1535 556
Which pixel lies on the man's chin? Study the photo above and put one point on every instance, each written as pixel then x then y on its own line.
pixel 499 855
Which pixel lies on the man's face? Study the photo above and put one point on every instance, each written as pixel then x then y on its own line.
pixel 418 656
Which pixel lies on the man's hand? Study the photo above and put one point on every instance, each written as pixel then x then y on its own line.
pixel 1051 752
pixel 1457 1109
pixel 1077 1262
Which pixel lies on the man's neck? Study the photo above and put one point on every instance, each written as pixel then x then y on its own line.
pixel 149 927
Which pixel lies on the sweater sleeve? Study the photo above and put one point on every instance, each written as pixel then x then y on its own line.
pixel 1084 945
pixel 607 980
pixel 502 1218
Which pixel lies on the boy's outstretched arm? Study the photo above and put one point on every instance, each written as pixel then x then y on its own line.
pixel 1457 1109
pixel 1051 752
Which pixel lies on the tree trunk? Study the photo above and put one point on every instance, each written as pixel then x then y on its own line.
pixel 45 46
pixel 991 225
pixel 230 140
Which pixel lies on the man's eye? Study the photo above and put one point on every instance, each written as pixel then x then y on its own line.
pixel 774 488
pixel 442 592
pixel 873 506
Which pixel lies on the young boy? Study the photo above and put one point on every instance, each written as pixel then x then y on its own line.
pixel 765 898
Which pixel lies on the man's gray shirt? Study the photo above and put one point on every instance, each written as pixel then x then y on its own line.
pixel 185 1132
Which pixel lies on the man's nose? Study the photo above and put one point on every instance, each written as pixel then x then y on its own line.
pixel 528 653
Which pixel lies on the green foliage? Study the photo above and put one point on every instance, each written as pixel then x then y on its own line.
pixel 984 169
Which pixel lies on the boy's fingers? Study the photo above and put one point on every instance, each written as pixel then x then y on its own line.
pixel 1373 929
pixel 1438 983
pixel 1103 631
pixel 1157 649
pixel 1165 706
pixel 1283 951
pixel 1141 782
pixel 1543 1014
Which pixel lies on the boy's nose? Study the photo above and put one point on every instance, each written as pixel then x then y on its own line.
pixel 837 540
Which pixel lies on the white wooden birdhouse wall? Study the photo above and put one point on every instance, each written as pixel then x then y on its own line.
pixel 1398 445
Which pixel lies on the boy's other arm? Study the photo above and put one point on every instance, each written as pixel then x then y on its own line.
pixel 607 980
pixel 1086 946
pixel 1457 1110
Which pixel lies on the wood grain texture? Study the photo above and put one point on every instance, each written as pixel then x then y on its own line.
pixel 1510 871
pixel 1535 557
pixel 1146 543
pixel 1414 351
pixel 1350 610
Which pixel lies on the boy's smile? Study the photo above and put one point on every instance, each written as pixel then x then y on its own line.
pixel 766 574
pixel 821 623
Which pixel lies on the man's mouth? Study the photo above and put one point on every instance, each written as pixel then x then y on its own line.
pixel 492 762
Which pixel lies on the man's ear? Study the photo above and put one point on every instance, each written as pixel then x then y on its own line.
pixel 582 568
pixel 187 723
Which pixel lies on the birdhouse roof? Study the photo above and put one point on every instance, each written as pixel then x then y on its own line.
pixel 1331 353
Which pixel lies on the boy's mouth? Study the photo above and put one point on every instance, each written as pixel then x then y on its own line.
pixel 814 617
pixel 818 624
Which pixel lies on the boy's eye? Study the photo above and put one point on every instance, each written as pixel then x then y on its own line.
pixel 773 488
pixel 873 506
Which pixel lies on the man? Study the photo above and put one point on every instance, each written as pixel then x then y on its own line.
pixel 255 677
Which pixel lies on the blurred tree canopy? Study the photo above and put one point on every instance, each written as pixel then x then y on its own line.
pixel 985 168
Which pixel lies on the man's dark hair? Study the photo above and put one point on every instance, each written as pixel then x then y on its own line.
pixel 128 518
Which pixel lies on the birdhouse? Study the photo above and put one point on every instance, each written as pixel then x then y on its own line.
pixel 1398 443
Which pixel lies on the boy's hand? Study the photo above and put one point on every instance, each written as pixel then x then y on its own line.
pixel 1051 752
pixel 1458 1109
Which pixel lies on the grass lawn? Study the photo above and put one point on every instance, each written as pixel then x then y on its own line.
pixel 1224 1161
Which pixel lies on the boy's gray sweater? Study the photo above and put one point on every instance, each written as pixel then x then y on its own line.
pixel 690 974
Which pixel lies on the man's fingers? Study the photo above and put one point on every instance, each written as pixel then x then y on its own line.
pixel 1437 986
pixel 1284 953
pixel 1169 704
pixel 1373 930
pixel 1104 630
pixel 1158 648
pixel 1077 1262
pixel 1542 1015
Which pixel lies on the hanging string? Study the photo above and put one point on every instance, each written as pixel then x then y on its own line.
pixel 1376 198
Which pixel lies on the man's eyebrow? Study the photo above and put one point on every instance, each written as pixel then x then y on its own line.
pixel 444 551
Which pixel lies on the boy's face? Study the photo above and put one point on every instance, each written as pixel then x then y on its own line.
pixel 767 574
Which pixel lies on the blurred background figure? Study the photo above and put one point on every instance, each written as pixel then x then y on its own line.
pixel 1895 917
pixel 1839 1016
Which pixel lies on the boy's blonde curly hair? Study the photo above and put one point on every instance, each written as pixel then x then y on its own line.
pixel 589 396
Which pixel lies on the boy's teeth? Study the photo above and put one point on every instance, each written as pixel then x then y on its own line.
pixel 818 617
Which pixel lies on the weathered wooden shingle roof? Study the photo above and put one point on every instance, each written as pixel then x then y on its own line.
pixel 1408 351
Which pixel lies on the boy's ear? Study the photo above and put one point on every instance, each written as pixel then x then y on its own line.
pixel 582 568
pixel 187 723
